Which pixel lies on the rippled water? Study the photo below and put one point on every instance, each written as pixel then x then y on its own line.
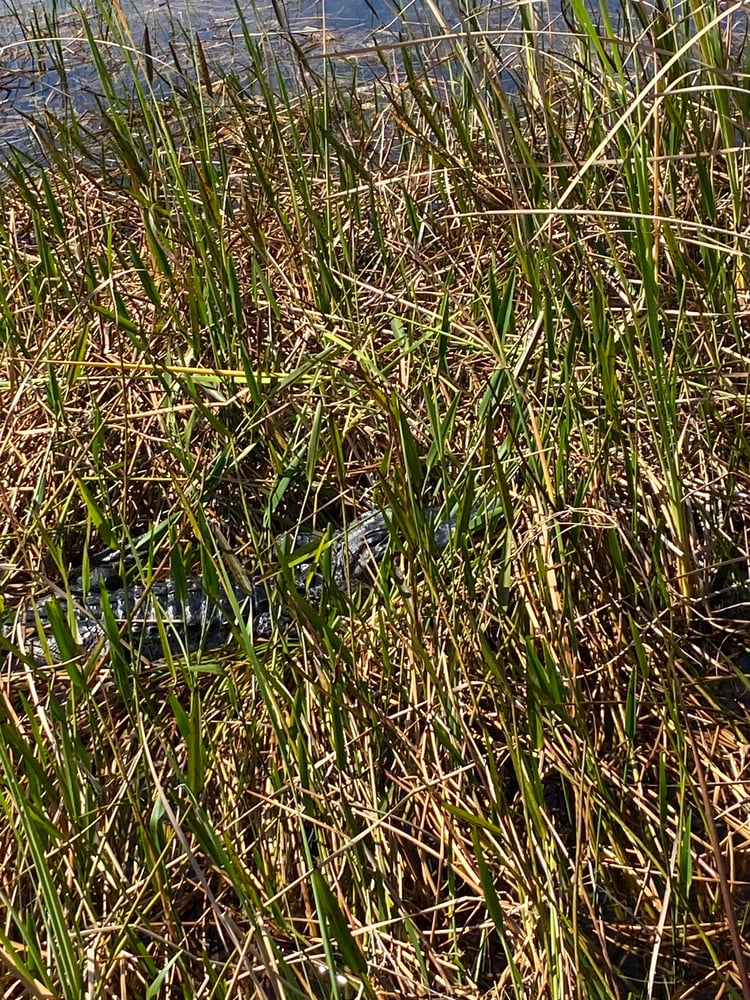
pixel 46 76
pixel 46 63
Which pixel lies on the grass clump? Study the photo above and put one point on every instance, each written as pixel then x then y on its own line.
pixel 517 768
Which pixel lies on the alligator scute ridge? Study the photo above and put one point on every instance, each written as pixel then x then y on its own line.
pixel 186 618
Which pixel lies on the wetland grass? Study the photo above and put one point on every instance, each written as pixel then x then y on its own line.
pixel 484 273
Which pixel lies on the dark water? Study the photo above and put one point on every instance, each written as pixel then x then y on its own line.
pixel 46 64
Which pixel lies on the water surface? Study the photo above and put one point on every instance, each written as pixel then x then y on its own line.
pixel 46 64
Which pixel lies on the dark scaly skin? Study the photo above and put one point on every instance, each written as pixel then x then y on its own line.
pixel 192 619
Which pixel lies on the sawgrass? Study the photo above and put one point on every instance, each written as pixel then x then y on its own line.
pixel 495 275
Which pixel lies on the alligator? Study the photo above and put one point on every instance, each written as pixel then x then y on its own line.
pixel 182 616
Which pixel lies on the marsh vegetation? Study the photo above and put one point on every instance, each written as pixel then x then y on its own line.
pixel 519 766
